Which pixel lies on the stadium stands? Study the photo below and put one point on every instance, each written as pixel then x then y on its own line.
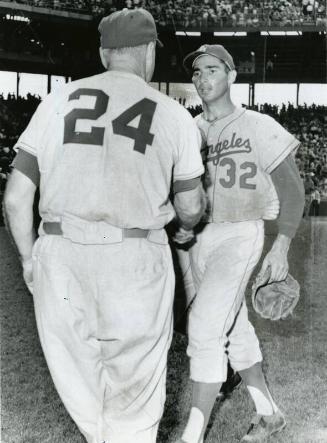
pixel 14 117
pixel 236 14
pixel 203 13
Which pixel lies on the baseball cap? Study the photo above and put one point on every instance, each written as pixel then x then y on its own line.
pixel 127 28
pixel 217 51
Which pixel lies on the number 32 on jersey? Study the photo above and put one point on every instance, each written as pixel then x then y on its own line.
pixel 120 125
pixel 247 171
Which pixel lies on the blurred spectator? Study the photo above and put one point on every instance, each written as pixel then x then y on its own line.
pixel 315 202
pixel 323 193
pixel 309 187
pixel 269 66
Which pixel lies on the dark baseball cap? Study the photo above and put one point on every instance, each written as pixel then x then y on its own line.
pixel 217 51
pixel 127 28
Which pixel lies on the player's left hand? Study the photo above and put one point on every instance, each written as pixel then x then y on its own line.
pixel 278 264
pixel 28 273
pixel 276 259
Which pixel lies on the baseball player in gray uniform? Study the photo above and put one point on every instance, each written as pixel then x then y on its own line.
pixel 250 177
pixel 104 151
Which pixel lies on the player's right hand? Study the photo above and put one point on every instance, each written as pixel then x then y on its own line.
pixel 183 236
pixel 28 274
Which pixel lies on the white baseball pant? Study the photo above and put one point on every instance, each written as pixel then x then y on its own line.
pixel 104 317
pixel 223 259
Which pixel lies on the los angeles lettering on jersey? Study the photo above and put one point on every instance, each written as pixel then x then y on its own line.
pixel 236 145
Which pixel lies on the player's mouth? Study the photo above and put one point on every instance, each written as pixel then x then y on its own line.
pixel 204 90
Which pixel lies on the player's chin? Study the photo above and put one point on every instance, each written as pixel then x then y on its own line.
pixel 206 97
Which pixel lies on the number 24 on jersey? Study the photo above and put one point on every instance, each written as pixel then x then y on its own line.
pixel 120 125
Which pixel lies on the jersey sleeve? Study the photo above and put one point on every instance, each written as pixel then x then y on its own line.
pixel 188 162
pixel 274 142
pixel 290 190
pixel 31 139
pixel 27 164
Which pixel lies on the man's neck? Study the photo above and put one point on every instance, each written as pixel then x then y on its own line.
pixel 129 67
pixel 217 110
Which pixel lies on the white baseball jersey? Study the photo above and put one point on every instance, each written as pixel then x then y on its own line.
pixel 106 147
pixel 242 150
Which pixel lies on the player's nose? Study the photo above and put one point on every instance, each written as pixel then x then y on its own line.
pixel 204 77
pixel 203 82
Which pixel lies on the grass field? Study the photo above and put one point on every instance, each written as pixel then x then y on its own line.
pixel 294 351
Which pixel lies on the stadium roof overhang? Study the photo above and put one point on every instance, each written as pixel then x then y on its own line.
pixel 21 12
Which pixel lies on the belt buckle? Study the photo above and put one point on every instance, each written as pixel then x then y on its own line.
pixel 108 233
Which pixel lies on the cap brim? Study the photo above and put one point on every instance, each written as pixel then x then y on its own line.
pixel 189 59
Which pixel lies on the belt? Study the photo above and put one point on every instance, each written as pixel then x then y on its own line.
pixel 54 228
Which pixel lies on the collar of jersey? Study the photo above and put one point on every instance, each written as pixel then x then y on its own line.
pixel 237 111
pixel 125 74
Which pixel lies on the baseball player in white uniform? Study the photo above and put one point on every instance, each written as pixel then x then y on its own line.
pixel 250 176
pixel 104 151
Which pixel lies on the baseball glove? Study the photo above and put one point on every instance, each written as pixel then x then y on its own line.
pixel 275 300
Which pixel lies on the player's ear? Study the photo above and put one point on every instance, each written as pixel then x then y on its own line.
pixel 231 77
pixel 103 58
pixel 150 58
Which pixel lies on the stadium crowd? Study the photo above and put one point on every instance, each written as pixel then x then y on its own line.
pixel 239 13
pixel 307 123
pixel 203 13
pixel 15 114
